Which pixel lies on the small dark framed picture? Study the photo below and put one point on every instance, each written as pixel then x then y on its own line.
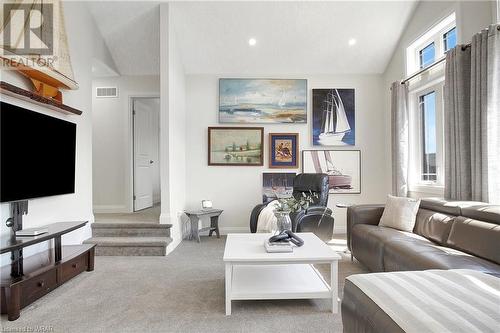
pixel 283 150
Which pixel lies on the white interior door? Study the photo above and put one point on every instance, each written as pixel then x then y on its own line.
pixel 145 138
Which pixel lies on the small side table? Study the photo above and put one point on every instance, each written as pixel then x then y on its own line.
pixel 194 217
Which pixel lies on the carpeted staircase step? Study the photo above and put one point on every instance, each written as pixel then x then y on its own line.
pixel 127 229
pixel 130 246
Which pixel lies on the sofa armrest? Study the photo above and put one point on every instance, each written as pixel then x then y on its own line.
pixel 362 214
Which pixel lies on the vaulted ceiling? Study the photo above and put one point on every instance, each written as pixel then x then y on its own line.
pixel 292 37
pixel 131 30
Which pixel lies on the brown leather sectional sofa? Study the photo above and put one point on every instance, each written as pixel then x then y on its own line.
pixel 447 235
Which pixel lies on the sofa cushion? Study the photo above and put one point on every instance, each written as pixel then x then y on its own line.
pixel 413 254
pixel 483 212
pixel 476 237
pixel 367 243
pixel 433 225
pixel 400 213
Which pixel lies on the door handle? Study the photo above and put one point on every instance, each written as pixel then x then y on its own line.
pixel 151 161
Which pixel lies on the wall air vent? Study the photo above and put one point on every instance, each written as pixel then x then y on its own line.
pixel 106 92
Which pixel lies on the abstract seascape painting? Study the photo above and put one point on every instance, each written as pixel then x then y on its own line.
pixel 262 101
pixel 333 117
pixel 235 146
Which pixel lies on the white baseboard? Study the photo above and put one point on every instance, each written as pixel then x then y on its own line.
pixel 110 209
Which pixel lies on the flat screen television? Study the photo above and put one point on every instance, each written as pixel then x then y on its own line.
pixel 37 154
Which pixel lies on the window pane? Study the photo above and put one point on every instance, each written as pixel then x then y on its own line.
pixel 450 39
pixel 427 55
pixel 428 120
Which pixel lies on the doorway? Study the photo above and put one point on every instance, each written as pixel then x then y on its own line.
pixel 146 154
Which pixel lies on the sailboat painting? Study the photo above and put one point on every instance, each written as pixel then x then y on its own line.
pixel 333 117
pixel 262 101
pixel 343 168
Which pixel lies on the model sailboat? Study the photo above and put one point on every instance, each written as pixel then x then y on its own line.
pixel 334 124
pixel 47 72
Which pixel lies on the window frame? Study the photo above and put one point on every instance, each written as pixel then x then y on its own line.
pixel 433 35
pixel 445 40
pixel 415 181
pixel 421 65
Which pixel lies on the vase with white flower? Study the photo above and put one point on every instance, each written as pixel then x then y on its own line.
pixel 291 205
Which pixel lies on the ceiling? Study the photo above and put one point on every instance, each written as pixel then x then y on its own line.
pixel 131 32
pixel 292 37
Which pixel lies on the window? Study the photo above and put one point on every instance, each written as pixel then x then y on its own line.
pixel 427 104
pixel 427 55
pixel 450 39
pixel 432 45
pixel 426 171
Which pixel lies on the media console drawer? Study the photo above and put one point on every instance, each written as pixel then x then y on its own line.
pixel 37 286
pixel 74 267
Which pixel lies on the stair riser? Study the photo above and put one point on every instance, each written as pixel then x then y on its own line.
pixel 130 250
pixel 130 232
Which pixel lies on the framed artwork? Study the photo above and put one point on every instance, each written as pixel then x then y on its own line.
pixel 277 185
pixel 283 150
pixel 343 168
pixel 333 117
pixel 262 101
pixel 235 146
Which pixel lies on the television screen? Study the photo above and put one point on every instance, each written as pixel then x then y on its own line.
pixel 37 154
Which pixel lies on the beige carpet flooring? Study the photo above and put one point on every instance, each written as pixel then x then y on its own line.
pixel 183 292
pixel 148 215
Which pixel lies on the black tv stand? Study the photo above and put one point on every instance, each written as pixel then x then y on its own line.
pixel 29 279
pixel 15 222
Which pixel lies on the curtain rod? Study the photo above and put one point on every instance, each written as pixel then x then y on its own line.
pixel 423 70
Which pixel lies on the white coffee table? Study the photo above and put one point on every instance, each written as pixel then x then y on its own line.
pixel 254 274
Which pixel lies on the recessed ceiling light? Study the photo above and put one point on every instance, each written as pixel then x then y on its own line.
pixel 352 41
pixel 252 41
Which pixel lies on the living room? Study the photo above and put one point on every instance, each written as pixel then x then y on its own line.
pixel 335 104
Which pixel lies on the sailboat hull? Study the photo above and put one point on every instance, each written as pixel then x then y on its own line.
pixel 340 181
pixel 332 139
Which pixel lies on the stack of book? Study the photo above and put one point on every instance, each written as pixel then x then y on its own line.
pixel 278 247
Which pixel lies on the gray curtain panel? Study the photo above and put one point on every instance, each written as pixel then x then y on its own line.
pixel 493 114
pixel 471 118
pixel 457 125
pixel 399 138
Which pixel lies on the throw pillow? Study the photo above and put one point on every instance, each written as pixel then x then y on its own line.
pixel 400 213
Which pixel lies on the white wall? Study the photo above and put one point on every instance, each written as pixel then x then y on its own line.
pixel 173 128
pixel 112 140
pixel 471 16
pixel 237 189
pixel 77 206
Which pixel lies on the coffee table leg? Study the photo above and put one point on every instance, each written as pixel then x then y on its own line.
pixel 334 286
pixel 229 281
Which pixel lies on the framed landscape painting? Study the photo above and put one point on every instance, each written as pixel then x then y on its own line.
pixel 235 146
pixel 333 117
pixel 283 150
pixel 343 168
pixel 277 185
pixel 262 101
